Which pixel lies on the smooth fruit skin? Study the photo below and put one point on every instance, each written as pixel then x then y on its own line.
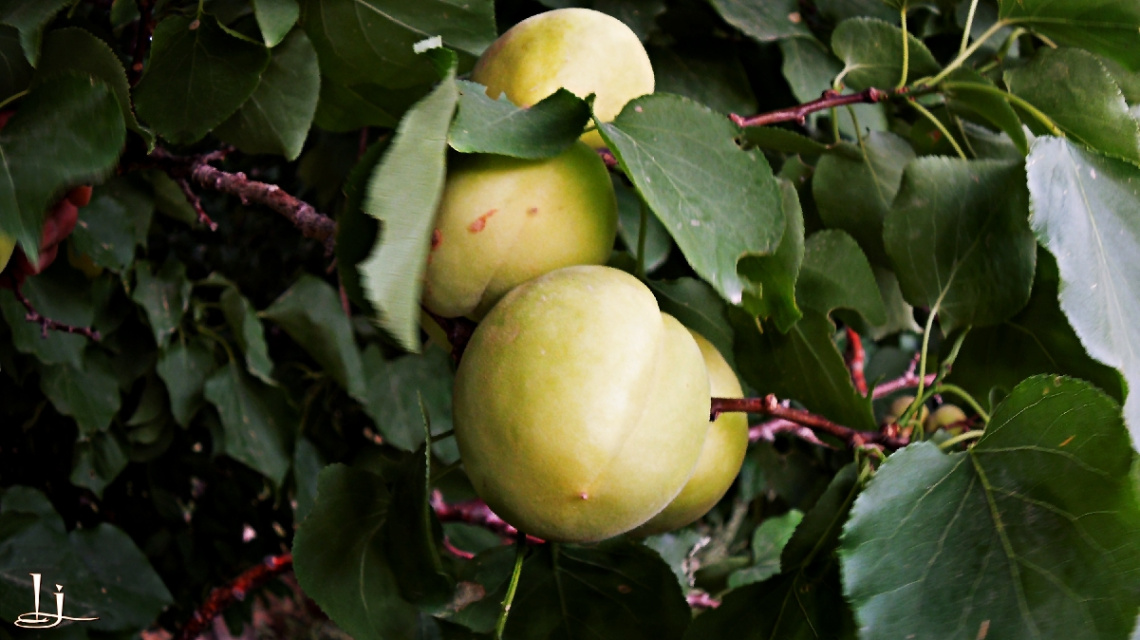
pixel 581 50
pixel 7 246
pixel 502 221
pixel 580 409
pixel 946 417
pixel 721 457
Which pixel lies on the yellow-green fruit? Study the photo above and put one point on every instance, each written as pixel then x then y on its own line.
pixel 580 409
pixel 900 405
pixel 503 221
pixel 721 457
pixel 7 246
pixel 581 50
pixel 946 417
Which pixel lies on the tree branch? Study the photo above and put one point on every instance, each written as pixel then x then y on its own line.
pixel 798 114
pixel 908 380
pixel 47 324
pixel 303 215
pixel 856 359
pixel 224 596
pixel 474 512
pixel 770 405
pixel 192 198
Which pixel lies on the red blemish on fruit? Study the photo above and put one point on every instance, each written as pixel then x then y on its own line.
pixel 480 222
pixel 436 238
pixel 533 211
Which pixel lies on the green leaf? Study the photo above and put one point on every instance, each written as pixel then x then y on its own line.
pixel 277 115
pixel 311 314
pixel 403 194
pixel 1028 534
pixel 307 465
pixel 185 366
pixel 803 365
pixel 346 108
pixel 275 18
pixel 114 223
pixel 249 333
pixel 164 295
pixel 90 394
pixel 544 130
pixel 29 17
pixel 413 540
pixel 77 50
pixel 102 572
pixel 15 71
pixel 356 232
pixel 1039 339
pixel 900 315
pixel 370 41
pixel 764 21
pixel 788 141
pixel 617 590
pixel 257 420
pixel 197 77
pixel 99 459
pixel 395 389
pixel 61 298
pixel 960 241
pixel 777 273
pixel 854 192
pixel 806 601
pixel 872 54
pixel 696 305
pixel 658 243
pixel 970 93
pixel 1084 212
pixel 836 275
pixel 709 73
pixel 1107 27
pixel 768 542
pixel 340 560
pixel 720 203
pixel 1074 89
pixel 68 131
pixel 809 68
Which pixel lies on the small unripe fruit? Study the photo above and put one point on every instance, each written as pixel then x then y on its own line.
pixel 949 417
pixel 581 50
pixel 580 409
pixel 503 221
pixel 721 457
pixel 900 405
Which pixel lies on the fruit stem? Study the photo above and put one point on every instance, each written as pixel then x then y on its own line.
pixel 969 27
pixel 918 397
pixel 941 127
pixel 964 395
pixel 961 437
pixel 520 552
pixel 905 48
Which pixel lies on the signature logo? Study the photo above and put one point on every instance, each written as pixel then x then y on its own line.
pixel 35 619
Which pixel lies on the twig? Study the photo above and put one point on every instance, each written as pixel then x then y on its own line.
pixel 143 33
pixel 222 597
pixel 856 359
pixel 47 324
pixel 770 405
pixel 192 198
pixel 474 512
pixel 458 331
pixel 608 158
pixel 829 100
pixel 768 430
pixel 303 215
pixel 698 599
pixel 908 380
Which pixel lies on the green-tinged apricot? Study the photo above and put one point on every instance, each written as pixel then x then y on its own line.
pixel 580 408
pixel 949 417
pixel 503 221
pixel 900 405
pixel 581 50
pixel 721 457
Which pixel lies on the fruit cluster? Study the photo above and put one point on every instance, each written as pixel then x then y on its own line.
pixel 581 410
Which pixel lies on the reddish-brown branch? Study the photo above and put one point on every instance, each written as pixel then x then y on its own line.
pixel 608 158
pixel 907 380
pixel 474 512
pixel 856 359
pixel 829 100
pixel 192 198
pixel 144 31
pixel 770 405
pixel 47 324
pixel 224 596
pixel 457 330
pixel 303 215
pixel 769 429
